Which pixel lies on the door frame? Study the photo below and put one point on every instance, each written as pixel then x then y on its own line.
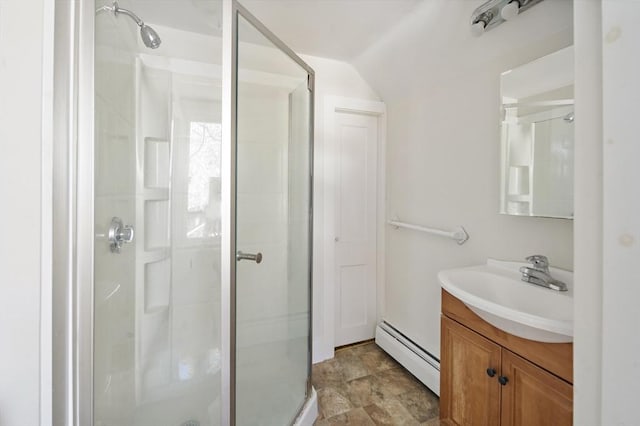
pixel 333 105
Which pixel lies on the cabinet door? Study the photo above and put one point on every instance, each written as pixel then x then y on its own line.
pixel 532 396
pixel 469 393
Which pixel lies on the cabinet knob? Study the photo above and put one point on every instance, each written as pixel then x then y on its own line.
pixel 503 380
pixel 491 372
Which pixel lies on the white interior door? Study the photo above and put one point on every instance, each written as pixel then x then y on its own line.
pixel 356 141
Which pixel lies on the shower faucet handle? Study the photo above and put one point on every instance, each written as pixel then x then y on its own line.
pixel 119 233
pixel 249 256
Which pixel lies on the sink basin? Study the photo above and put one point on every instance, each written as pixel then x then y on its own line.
pixel 496 294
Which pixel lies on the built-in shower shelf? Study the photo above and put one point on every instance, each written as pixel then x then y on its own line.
pixel 156 162
pixel 150 256
pixel 157 285
pixel 155 139
pixel 156 194
pixel 520 198
pixel 158 309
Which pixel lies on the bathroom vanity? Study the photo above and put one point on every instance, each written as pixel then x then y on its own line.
pixel 491 377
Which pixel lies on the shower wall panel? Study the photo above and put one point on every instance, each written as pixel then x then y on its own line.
pixel 262 202
pixel 114 275
pixel 153 254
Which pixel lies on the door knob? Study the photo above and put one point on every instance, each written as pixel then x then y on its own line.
pixel 503 380
pixel 119 233
pixel 249 256
pixel 491 372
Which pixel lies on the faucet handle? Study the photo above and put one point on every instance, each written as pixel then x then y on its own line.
pixel 539 261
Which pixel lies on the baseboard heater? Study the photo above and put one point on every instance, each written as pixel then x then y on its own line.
pixel 419 362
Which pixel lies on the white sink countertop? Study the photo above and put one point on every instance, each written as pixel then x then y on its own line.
pixel 496 293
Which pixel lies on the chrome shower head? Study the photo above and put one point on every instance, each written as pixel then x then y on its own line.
pixel 149 36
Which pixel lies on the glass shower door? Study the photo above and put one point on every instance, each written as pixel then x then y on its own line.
pixel 156 355
pixel 273 263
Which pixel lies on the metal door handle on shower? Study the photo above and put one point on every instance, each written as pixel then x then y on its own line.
pixel 249 256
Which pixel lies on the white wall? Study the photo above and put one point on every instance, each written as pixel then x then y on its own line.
pixel 621 213
pixel 441 87
pixel 24 70
pixel 587 355
pixel 607 373
pixel 333 78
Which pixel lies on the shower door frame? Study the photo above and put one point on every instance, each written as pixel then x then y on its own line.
pixel 73 204
pixel 73 209
pixel 231 10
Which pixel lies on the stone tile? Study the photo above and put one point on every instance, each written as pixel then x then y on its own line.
pixel 423 405
pixel 398 381
pixel 398 413
pixel 379 415
pixel 433 422
pixel 377 360
pixel 352 367
pixel 327 373
pixel 366 391
pixel 333 401
pixel 364 348
pixel 362 385
pixel 357 417
pixel 343 352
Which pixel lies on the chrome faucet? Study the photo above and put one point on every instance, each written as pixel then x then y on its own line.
pixel 538 273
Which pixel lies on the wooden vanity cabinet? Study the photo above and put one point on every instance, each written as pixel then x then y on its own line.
pixel 468 394
pixel 533 396
pixel 482 382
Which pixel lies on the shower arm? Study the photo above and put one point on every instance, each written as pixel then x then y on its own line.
pixel 117 9
pixel 129 13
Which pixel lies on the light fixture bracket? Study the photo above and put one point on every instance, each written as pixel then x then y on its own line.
pixel 489 12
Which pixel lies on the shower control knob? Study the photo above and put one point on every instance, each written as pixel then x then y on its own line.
pixel 249 256
pixel 126 234
pixel 118 234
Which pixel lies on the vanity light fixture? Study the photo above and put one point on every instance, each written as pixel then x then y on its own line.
pixel 510 10
pixel 495 12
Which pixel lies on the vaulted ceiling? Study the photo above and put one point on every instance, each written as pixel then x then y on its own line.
pixel 338 29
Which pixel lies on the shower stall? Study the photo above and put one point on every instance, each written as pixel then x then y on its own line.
pixel 187 299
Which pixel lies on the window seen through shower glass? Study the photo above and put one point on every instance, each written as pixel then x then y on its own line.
pixel 204 179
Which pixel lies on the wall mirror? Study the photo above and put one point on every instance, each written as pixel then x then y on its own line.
pixel 538 137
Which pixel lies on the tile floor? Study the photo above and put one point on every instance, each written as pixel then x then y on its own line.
pixel 363 385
